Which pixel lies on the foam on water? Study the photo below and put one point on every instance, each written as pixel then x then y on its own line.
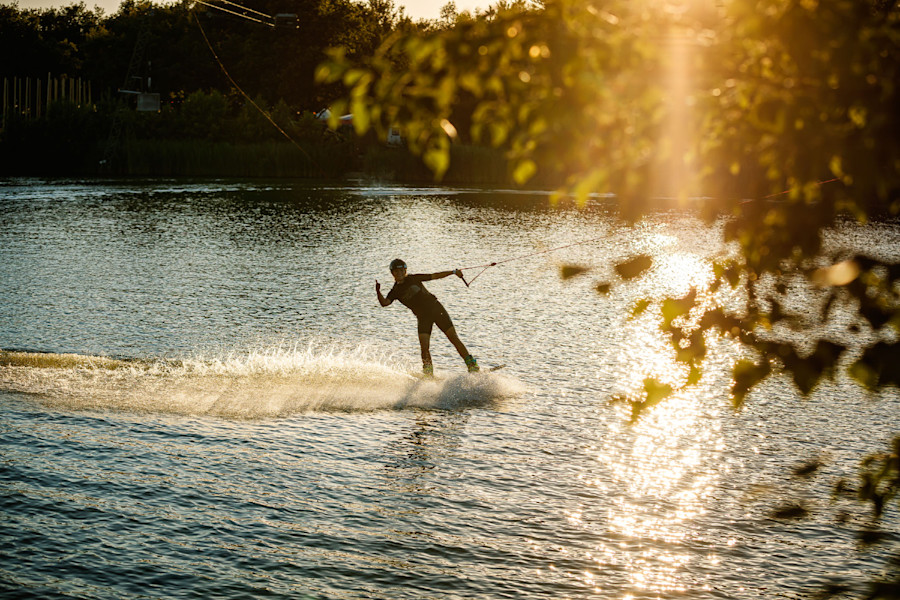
pixel 274 382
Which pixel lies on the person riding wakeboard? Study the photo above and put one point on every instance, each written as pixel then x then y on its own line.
pixel 411 292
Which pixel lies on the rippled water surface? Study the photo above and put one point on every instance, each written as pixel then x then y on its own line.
pixel 201 397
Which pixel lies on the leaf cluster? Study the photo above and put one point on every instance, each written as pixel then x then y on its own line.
pixel 777 117
pixel 544 84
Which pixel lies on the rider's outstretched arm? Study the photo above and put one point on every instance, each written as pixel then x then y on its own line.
pixel 442 274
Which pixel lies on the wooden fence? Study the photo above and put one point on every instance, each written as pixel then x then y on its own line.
pixel 31 97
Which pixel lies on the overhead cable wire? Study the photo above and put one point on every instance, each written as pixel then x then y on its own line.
pixel 776 194
pixel 237 14
pixel 248 98
pixel 242 7
pixel 487 266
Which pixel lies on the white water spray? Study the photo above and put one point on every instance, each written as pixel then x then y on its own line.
pixel 272 382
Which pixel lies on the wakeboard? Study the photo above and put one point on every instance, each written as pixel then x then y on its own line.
pixel 440 377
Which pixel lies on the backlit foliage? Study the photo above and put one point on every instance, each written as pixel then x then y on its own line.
pixel 781 115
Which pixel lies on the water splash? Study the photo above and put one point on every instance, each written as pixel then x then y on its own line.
pixel 263 383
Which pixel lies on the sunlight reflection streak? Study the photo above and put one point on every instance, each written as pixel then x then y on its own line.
pixel 668 465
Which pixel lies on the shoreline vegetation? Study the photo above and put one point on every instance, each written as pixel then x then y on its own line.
pixel 470 165
pixel 66 111
pixel 202 136
pixel 273 159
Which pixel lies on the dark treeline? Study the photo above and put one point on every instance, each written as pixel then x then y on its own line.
pixel 203 119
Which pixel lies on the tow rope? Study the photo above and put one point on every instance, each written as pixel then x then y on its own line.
pixel 487 266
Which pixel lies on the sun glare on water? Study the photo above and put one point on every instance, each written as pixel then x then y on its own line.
pixel 668 465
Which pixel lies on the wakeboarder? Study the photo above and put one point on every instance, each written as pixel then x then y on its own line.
pixel 411 292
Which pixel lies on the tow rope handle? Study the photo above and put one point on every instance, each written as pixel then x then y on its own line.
pixel 483 269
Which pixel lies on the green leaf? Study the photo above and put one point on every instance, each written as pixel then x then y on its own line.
pixel 716 318
pixel 338 107
pixel 694 375
pixel 690 348
pixel 325 73
pixel 525 170
pixel 804 371
pixel 864 375
pixel 870 537
pixel 672 308
pixel 807 469
pixel 733 276
pixel 745 375
pixel 792 511
pixel 437 159
pixel 634 267
pixel 639 307
pixel 878 366
pixel 360 112
pixel 656 392
pixel 569 271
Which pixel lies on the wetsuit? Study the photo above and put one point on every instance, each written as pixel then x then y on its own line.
pixel 412 293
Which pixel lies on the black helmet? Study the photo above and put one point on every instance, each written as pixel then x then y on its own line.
pixel 397 264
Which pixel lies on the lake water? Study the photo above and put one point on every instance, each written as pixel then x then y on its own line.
pixel 217 406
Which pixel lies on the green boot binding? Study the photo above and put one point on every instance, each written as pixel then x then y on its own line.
pixel 428 370
pixel 472 364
